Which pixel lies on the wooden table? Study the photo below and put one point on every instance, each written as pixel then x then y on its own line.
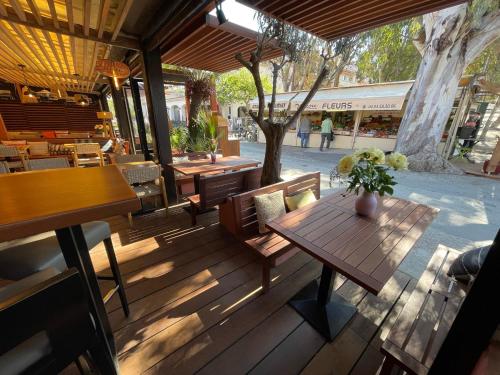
pixel 366 250
pixel 196 168
pixel 61 200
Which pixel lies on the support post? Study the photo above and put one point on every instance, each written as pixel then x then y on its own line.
pixel 139 117
pixel 121 114
pixel 158 116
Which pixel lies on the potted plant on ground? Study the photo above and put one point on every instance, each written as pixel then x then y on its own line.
pixel 367 170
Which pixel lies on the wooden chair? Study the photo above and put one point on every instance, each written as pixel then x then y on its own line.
pixel 85 154
pixel 147 182
pixel 215 189
pixel 14 158
pixel 238 216
pixel 120 159
pixel 38 149
pixel 49 163
pixel 46 326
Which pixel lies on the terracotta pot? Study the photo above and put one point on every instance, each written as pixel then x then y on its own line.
pixel 213 157
pixel 366 204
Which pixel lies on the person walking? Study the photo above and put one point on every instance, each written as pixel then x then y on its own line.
pixel 304 130
pixel 326 131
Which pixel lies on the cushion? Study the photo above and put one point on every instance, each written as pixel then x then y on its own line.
pixel 268 207
pixel 22 260
pixel 300 200
pixel 468 264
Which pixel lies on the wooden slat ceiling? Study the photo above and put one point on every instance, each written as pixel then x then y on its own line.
pixel 212 47
pixel 330 19
pixel 55 39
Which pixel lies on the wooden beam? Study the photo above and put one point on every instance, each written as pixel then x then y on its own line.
pixel 103 16
pixel 139 117
pixel 123 14
pixel 65 28
pixel 158 117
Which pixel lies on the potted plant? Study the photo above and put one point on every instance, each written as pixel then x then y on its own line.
pixel 208 129
pixel 367 170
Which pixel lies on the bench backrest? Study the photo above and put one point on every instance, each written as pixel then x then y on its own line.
pixel 215 189
pixel 243 206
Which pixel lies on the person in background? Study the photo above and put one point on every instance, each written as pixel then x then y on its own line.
pixel 304 130
pixel 326 131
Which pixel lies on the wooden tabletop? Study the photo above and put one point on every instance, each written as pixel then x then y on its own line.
pixel 366 250
pixel 193 167
pixel 39 201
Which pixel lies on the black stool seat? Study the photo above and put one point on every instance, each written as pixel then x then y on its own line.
pixel 23 260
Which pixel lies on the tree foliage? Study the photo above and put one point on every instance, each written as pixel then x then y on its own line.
pixel 487 63
pixel 388 53
pixel 238 87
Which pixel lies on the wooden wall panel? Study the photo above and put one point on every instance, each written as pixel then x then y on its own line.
pixel 49 116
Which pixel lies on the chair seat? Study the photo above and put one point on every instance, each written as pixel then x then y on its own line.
pixel 23 260
pixel 147 189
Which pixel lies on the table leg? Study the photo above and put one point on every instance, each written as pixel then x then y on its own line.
pixel 196 180
pixel 325 310
pixel 76 254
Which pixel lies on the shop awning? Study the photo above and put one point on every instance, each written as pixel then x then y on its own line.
pixel 374 97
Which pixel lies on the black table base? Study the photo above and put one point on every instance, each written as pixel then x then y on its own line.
pixel 76 254
pixel 327 312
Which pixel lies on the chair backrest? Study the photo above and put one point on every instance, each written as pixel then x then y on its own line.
pixel 35 311
pixel 215 189
pixel 48 163
pixel 87 148
pixel 8 151
pixel 38 148
pixel 4 167
pixel 245 217
pixel 19 142
pixel 129 158
pixel 142 175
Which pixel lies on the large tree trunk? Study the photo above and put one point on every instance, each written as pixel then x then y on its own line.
pixel 272 160
pixel 433 93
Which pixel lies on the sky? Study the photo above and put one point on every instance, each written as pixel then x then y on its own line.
pixel 239 14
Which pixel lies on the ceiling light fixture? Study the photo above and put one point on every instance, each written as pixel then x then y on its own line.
pixel 81 100
pixel 28 92
pixel 220 14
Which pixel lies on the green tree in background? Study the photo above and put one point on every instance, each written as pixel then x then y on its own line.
pixel 487 63
pixel 238 87
pixel 388 53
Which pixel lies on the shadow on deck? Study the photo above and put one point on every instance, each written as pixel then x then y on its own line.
pixel 196 306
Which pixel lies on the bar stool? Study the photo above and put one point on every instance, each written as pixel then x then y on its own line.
pixel 20 261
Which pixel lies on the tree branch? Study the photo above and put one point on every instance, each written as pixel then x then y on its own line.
pixel 480 38
pixel 242 61
pixel 319 80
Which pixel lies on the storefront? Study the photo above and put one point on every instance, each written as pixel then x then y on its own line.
pixel 363 116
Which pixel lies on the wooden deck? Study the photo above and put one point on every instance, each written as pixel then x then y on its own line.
pixel 196 306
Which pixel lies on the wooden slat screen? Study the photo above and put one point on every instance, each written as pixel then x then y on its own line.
pixel 49 116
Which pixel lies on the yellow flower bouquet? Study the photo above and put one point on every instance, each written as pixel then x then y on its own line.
pixel 367 169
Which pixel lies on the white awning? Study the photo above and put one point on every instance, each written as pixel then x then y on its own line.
pixel 374 97
pixel 282 101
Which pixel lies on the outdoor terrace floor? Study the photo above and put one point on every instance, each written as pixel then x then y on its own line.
pixel 196 306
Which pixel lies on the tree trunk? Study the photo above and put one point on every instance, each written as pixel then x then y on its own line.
pixel 433 93
pixel 272 160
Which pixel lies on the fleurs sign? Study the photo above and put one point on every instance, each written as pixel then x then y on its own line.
pixel 362 104
pixel 110 68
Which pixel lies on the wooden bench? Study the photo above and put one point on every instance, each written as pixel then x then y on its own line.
pixel 420 329
pixel 215 189
pixel 239 217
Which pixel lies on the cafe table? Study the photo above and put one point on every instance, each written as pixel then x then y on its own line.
pixel 61 200
pixel 196 168
pixel 366 250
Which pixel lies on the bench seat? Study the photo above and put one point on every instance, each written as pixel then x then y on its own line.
pixel 424 322
pixel 238 216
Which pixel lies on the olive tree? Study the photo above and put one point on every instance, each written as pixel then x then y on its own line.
pixel 291 41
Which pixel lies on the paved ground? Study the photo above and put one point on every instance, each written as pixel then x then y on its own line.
pixel 470 206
